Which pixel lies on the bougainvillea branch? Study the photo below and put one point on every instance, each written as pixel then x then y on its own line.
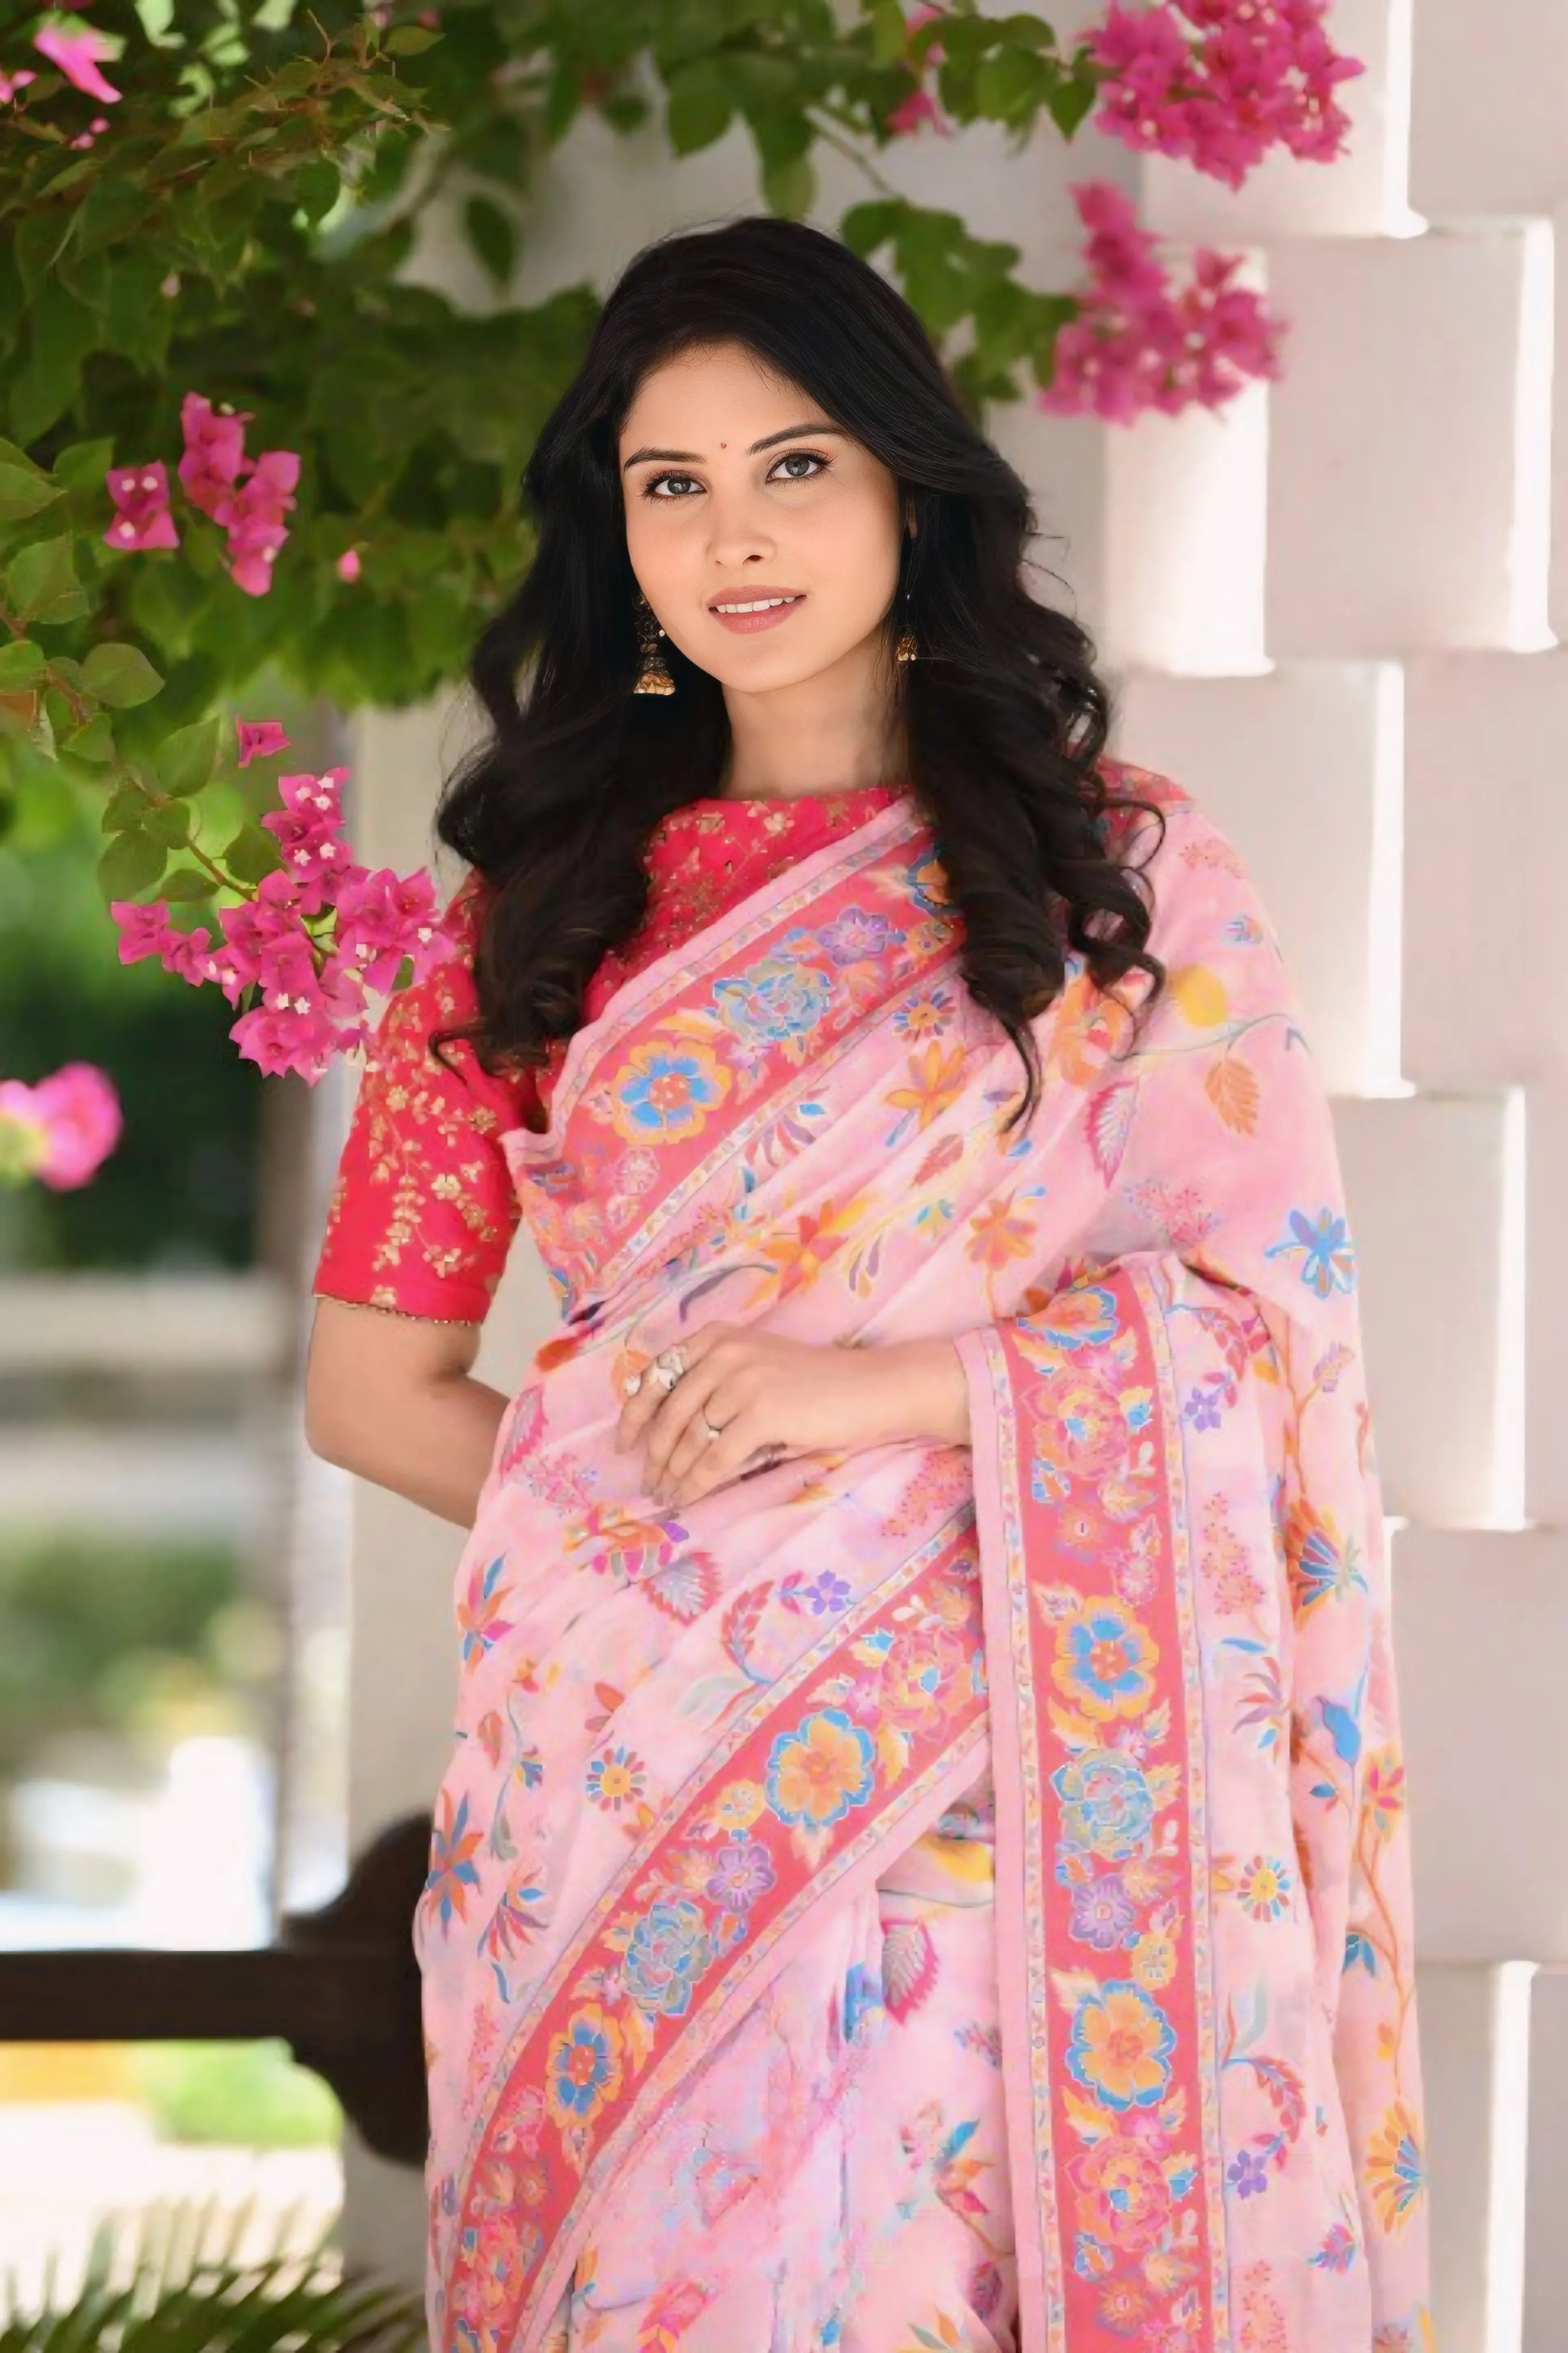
pixel 305 944
pixel 243 441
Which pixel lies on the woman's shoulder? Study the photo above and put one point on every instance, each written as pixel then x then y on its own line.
pixel 1153 819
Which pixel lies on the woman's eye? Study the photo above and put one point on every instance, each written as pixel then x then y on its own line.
pixel 653 488
pixel 803 457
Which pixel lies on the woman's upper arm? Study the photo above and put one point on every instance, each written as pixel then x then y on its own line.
pixel 362 1360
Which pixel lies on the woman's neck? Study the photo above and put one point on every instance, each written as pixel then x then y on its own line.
pixel 836 733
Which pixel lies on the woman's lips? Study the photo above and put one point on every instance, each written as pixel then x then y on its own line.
pixel 746 625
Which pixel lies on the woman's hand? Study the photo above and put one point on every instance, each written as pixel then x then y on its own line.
pixel 762 1391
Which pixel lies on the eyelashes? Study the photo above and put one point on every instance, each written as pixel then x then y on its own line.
pixel 650 488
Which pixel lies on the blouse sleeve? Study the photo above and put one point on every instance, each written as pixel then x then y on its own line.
pixel 424 1209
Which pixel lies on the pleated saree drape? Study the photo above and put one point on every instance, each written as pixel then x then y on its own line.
pixel 663 1970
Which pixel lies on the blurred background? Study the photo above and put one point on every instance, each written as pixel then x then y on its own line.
pixel 1329 609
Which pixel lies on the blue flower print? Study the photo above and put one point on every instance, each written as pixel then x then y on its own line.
pixel 668 1952
pixel 1249 2174
pixel 1324 1248
pixel 773 1000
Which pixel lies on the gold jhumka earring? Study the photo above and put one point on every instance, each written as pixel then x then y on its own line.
pixel 655 678
pixel 906 651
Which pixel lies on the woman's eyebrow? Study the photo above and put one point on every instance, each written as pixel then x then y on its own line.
pixel 694 457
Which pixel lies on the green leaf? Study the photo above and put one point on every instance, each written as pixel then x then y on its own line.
pixel 492 237
pixel 63 330
pixel 170 823
pixel 410 40
pixel 187 884
pixel 317 188
pixel 23 494
pixel 184 760
pixel 888 31
pixel 40 576
pixel 120 676
pixel 137 315
pixel 791 188
pixel 251 854
pixel 20 663
pixel 131 864
pixel 699 107
pixel 95 741
pixel 125 809
pixel 84 464
pixel 59 609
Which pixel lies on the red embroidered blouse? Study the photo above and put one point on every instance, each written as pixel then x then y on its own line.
pixel 424 1209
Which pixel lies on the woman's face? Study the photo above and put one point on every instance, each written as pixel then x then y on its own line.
pixel 737 490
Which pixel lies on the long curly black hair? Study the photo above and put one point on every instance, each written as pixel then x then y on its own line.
pixel 1004 714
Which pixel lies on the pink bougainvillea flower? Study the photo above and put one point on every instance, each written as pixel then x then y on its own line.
pixel 214 455
pixel 384 917
pixel 11 83
pixel 1221 81
pixel 259 739
pixel 253 551
pixel 318 797
pixel 78 56
pixel 144 931
pixel 248 497
pixel 256 527
pixel 69 1124
pixel 1136 342
pixel 349 566
pixel 141 495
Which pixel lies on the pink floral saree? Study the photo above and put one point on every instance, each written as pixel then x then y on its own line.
pixel 741 2039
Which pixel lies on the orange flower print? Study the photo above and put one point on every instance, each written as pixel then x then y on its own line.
pixel 452 1867
pixel 665 1091
pixel 1000 1235
pixel 1395 2170
pixel 1083 1429
pixel 818 1772
pixel 1105 1661
pixel 935 1083
pixel 1088 1029
pixel 1122 2045
pixel 1127 2198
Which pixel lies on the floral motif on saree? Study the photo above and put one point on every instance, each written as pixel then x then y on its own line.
pixel 1151 1597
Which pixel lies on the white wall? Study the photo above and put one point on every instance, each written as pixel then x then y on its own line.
pixel 1327 611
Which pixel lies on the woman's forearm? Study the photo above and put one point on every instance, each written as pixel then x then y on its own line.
pixel 431 1442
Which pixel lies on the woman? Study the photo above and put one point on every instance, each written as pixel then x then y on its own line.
pixel 923 1862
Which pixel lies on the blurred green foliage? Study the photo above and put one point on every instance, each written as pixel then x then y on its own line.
pixel 127 1639
pixel 244 2094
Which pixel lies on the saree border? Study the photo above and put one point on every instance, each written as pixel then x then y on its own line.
pixel 791 888
pixel 1037 1968
pixel 507 2264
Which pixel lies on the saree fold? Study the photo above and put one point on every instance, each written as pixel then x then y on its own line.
pixel 1150 1602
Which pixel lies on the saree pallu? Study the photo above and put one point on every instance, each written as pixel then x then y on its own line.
pixel 701 2075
